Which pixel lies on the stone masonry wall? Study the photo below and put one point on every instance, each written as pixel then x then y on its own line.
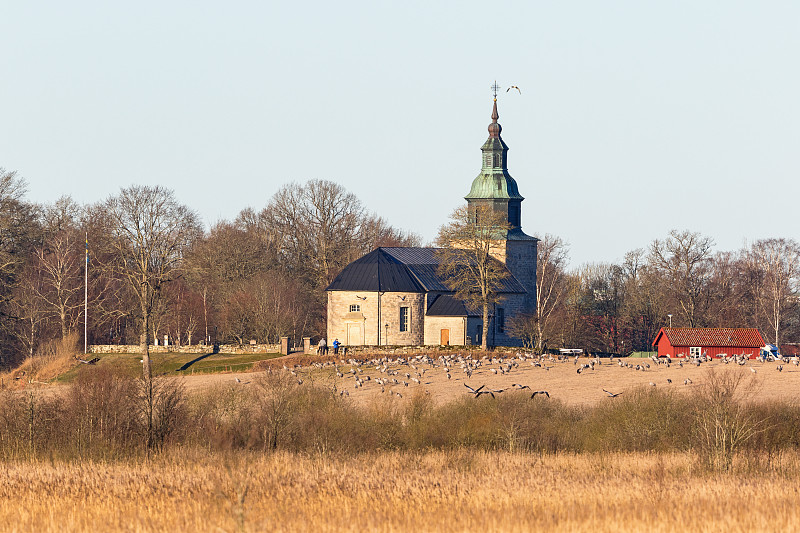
pixel 521 261
pixel 340 319
pixel 195 348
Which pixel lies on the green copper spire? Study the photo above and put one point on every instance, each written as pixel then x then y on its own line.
pixel 494 181
pixel 494 186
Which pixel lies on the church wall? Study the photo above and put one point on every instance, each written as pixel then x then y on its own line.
pixel 521 261
pixel 391 302
pixel 435 324
pixel 342 322
pixel 513 305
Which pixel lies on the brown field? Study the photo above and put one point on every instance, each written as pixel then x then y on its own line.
pixel 561 380
pixel 435 491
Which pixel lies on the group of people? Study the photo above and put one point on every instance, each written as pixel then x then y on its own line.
pixel 322 348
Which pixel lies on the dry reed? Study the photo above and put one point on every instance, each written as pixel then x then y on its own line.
pixel 457 490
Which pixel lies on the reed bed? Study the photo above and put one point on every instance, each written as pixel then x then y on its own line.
pixel 456 490
pixel 270 454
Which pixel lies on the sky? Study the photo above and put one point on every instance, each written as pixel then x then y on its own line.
pixel 634 117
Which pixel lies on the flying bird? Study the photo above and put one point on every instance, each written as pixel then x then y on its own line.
pixel 611 394
pixel 520 387
pixel 514 87
pixel 540 392
pixel 474 391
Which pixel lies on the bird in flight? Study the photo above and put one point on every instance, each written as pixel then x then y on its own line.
pixel 474 391
pixel 520 387
pixel 514 87
pixel 611 393
pixel 540 392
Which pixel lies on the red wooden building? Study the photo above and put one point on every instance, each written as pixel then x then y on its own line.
pixel 684 342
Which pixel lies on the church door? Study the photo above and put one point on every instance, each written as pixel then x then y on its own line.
pixel 354 337
pixel 445 337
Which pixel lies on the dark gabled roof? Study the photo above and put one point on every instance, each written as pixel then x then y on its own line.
pixel 404 269
pixel 413 256
pixel 446 305
pixel 423 263
pixel 376 271
pixel 708 337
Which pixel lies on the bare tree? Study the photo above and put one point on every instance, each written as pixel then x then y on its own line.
pixel 684 259
pixel 60 261
pixel 151 232
pixel 777 261
pixel 550 284
pixel 28 308
pixel 19 231
pixel 466 261
pixel 15 219
pixel 314 227
pixel 645 303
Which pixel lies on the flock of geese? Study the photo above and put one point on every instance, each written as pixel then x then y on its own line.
pixel 396 373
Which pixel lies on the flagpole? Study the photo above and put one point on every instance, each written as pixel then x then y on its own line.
pixel 86 299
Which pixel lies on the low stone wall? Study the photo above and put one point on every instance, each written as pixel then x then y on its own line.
pixel 194 348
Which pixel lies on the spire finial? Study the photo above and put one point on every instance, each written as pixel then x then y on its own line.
pixel 494 127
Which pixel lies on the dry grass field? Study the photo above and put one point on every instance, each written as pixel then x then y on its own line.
pixel 436 491
pixel 380 455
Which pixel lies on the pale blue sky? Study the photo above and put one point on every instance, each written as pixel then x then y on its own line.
pixel 635 117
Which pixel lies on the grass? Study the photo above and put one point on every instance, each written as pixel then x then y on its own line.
pixel 458 490
pixel 171 364
pixel 270 454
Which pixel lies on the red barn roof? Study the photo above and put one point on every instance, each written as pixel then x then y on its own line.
pixel 723 337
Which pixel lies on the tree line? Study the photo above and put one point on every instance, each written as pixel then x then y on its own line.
pixel 154 270
pixel 620 307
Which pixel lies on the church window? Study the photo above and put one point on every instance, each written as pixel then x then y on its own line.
pixel 404 319
pixel 501 320
pixel 355 308
pixel 496 160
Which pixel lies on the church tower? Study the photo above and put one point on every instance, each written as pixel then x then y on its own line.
pixel 495 187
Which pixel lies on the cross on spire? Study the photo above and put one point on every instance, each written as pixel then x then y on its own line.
pixel 494 88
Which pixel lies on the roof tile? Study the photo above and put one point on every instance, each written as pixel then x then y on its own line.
pixel 733 337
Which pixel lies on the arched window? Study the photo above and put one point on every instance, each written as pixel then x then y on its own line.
pixel 496 160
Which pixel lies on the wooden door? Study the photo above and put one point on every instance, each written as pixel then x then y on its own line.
pixel 445 337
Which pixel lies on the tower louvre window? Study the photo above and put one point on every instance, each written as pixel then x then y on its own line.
pixel 496 160
pixel 513 215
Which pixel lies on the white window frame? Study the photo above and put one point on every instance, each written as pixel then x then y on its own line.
pixel 695 351
pixel 408 319
pixel 355 308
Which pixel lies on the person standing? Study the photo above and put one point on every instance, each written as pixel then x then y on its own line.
pixel 336 345
pixel 322 349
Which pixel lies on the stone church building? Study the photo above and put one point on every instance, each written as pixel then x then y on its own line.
pixel 394 296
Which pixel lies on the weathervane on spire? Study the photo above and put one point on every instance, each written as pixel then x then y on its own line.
pixel 494 88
